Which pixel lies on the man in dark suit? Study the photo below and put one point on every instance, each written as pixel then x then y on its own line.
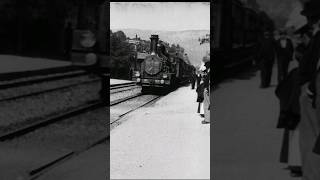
pixel 284 50
pixel 266 59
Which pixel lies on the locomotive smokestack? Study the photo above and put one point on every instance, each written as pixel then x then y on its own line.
pixel 153 45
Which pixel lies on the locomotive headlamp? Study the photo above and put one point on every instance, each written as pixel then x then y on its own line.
pixel 162 81
pixel 91 59
pixel 165 76
pixel 137 73
pixel 87 39
pixel 138 79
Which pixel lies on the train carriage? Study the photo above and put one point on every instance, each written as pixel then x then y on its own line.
pixel 237 29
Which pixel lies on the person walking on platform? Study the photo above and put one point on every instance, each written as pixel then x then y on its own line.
pixel 266 57
pixel 198 79
pixel 206 93
pixel 288 92
pixel 200 93
pixel 309 126
pixel 193 80
pixel 284 51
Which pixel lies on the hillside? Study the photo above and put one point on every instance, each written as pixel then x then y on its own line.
pixel 187 39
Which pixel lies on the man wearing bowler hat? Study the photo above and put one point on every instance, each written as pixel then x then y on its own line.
pixel 309 126
pixel 266 57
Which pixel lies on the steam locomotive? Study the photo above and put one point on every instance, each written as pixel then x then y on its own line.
pixel 159 69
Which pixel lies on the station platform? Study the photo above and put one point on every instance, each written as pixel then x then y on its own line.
pixel 246 142
pixel 11 63
pixel 163 141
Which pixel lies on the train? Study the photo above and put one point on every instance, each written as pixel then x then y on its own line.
pixel 160 69
pixel 237 30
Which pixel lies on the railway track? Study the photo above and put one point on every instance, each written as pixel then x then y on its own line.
pixel 42 90
pixel 48 90
pixel 118 88
pixel 34 126
pixel 37 172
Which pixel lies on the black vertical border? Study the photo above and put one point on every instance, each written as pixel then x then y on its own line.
pixel 212 2
pixel 108 92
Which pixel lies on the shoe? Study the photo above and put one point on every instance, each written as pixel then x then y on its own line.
pixel 205 122
pixel 296 173
pixel 262 87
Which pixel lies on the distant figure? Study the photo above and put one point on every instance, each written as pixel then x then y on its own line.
pixel 68 40
pixel 284 49
pixel 206 94
pixel 198 79
pixel 266 57
pixel 200 90
pixel 193 80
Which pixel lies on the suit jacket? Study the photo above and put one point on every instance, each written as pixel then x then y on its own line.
pixel 266 50
pixel 308 63
pixel 284 53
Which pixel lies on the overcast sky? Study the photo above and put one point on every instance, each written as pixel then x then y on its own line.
pixel 169 16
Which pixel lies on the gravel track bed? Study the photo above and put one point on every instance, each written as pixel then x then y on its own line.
pixel 124 107
pixel 24 110
pixel 119 95
pixel 38 87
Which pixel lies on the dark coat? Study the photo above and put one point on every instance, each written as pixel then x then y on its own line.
pixel 300 50
pixel 316 148
pixel 288 92
pixel 308 63
pixel 198 80
pixel 284 53
pixel 266 51
pixel 200 90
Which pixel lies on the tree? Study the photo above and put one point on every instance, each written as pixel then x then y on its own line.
pixel 205 39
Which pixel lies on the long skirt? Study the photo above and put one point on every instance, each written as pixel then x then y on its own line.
pixel 206 104
pixel 308 129
pixel 294 149
pixel 290 150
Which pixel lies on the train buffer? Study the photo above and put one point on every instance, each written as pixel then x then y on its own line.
pixel 246 141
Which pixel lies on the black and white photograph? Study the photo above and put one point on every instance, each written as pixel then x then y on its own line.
pixel 160 95
pixel 53 89
pixel 123 90
pixel 265 117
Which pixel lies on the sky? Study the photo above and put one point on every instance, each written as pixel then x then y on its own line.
pixel 284 12
pixel 167 16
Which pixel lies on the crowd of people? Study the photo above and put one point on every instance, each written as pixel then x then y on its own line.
pixel 298 91
pixel 202 80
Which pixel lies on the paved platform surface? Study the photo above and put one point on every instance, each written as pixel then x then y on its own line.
pixel 163 141
pixel 118 81
pixel 246 143
pixel 11 63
